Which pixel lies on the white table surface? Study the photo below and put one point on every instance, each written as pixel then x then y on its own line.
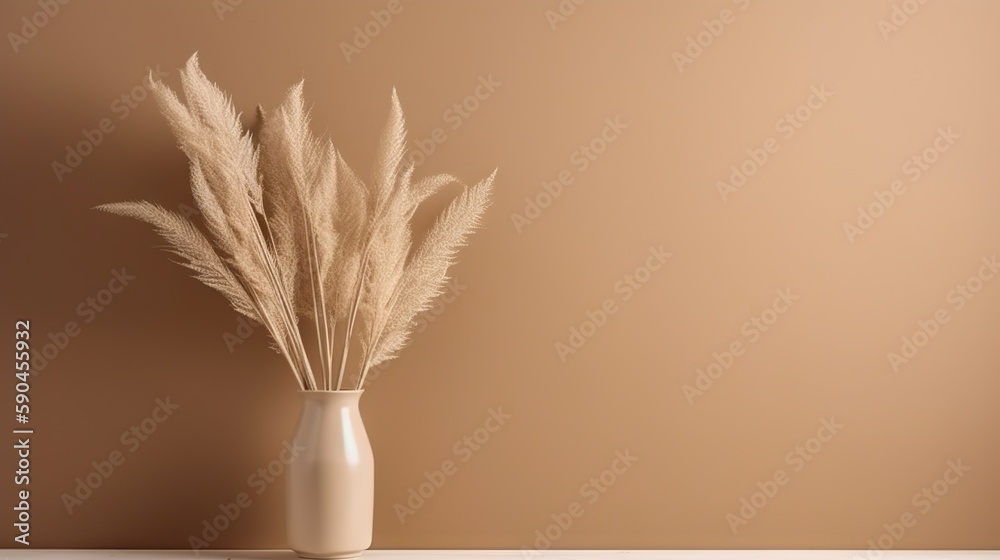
pixel 41 554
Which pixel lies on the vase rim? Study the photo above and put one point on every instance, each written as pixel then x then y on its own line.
pixel 331 391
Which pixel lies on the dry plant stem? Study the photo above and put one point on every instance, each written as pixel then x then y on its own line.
pixel 285 306
pixel 366 362
pixel 326 316
pixel 365 366
pixel 274 332
pixel 326 358
pixel 299 349
pixel 363 268
pixel 316 311
pixel 330 334
pixel 293 357
pixel 270 326
pixel 316 321
pixel 379 213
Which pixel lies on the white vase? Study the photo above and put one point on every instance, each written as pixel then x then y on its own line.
pixel 331 484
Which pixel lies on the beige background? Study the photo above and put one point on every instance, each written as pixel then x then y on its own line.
pixel 494 345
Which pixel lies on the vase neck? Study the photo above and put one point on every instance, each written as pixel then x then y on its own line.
pixel 331 399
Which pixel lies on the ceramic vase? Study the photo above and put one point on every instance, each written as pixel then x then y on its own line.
pixel 331 484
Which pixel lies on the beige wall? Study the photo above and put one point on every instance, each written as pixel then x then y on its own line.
pixel 494 346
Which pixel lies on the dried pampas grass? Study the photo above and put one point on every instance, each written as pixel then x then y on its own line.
pixel 290 234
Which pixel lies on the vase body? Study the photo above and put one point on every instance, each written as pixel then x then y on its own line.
pixel 331 484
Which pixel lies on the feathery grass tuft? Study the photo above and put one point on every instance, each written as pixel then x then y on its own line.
pixel 291 235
